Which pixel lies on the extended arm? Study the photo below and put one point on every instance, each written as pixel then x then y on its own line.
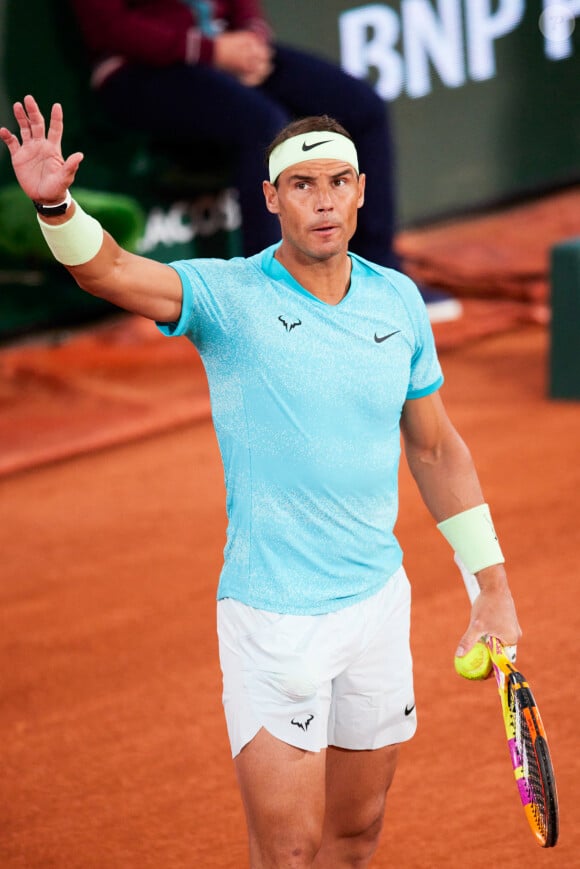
pixel 447 480
pixel 132 282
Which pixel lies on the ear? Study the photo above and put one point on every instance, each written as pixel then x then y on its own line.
pixel 362 179
pixel 271 197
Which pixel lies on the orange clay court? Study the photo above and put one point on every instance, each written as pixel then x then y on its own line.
pixel 113 747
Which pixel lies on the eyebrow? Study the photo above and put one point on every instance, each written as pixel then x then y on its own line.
pixel 298 177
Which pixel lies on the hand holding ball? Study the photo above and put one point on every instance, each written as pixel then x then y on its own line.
pixel 476 664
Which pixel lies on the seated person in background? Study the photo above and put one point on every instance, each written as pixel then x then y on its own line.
pixel 241 87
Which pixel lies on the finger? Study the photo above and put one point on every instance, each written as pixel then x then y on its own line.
pixel 35 117
pixel 511 653
pixel 22 121
pixel 70 167
pixel 259 54
pixel 55 126
pixel 467 642
pixel 10 140
pixel 30 103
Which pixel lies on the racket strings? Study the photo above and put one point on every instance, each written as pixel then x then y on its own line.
pixel 531 767
pixel 531 749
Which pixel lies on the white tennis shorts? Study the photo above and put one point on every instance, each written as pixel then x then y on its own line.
pixel 343 678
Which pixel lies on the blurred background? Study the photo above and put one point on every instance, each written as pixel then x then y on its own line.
pixel 483 96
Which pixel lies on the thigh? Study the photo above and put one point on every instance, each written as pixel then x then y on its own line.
pixel 183 102
pixel 283 792
pixel 357 783
pixel 310 85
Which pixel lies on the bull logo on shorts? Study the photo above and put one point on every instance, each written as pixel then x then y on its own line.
pixel 302 721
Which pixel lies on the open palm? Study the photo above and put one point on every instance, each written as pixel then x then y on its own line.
pixel 37 159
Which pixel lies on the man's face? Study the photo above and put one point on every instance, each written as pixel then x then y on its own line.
pixel 317 202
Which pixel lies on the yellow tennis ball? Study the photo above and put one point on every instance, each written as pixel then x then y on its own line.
pixel 476 664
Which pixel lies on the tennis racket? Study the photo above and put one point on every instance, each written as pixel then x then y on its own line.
pixel 527 742
pixel 528 747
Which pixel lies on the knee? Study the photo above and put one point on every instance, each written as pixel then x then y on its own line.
pixel 363 845
pixel 359 843
pixel 292 850
pixel 366 842
pixel 262 122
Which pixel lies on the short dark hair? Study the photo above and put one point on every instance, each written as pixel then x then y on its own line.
pixel 311 124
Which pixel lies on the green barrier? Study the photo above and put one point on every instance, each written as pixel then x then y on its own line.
pixel 144 192
pixel 565 325
pixel 35 291
pixel 20 237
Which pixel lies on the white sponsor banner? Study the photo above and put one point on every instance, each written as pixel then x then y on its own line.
pixel 183 221
pixel 453 40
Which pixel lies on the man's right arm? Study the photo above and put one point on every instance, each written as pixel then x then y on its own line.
pixel 135 283
pixel 97 263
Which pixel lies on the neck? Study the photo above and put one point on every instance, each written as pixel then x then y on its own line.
pixel 327 279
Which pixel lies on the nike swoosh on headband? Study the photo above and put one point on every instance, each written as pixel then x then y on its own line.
pixel 306 147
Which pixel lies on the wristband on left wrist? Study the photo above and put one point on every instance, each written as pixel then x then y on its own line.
pixel 472 536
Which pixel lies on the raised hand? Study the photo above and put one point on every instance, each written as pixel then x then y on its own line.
pixel 37 159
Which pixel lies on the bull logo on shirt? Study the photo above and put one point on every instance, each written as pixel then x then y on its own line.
pixel 289 323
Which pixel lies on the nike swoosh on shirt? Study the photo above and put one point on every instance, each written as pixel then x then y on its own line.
pixel 306 147
pixel 384 337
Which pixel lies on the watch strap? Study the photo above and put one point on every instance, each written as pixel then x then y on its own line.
pixel 53 210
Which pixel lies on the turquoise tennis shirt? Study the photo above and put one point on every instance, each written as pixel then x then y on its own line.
pixel 306 402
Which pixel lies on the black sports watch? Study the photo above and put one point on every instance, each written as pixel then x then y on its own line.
pixel 53 210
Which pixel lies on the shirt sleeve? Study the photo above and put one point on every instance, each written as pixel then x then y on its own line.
pixel 426 375
pixel 204 311
pixel 248 15
pixel 157 34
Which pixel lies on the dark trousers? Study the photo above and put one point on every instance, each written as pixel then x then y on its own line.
pixel 188 103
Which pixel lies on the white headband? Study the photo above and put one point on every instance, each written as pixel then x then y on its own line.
pixel 311 146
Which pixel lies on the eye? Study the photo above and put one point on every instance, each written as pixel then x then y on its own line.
pixel 340 182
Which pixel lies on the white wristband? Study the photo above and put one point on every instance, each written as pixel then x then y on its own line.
pixel 75 242
pixel 472 536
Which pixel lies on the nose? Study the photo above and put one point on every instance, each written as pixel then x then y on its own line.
pixel 324 199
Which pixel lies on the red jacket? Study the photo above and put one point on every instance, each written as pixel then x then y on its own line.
pixel 158 32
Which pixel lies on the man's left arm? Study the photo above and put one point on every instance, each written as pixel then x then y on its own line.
pixel 443 469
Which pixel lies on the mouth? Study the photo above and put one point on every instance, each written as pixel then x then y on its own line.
pixel 325 229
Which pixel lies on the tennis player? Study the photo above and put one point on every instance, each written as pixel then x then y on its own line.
pixel 317 361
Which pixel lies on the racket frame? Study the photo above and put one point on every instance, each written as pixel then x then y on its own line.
pixel 512 684
pixel 509 679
